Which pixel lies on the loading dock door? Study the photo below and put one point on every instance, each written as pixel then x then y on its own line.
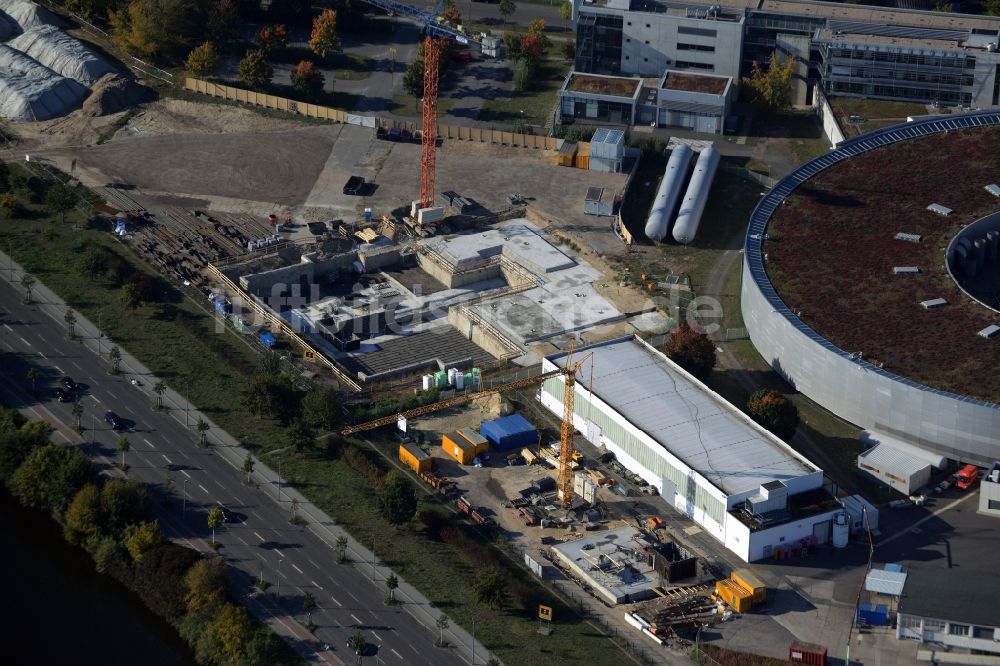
pixel 822 531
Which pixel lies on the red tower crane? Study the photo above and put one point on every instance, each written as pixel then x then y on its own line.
pixel 436 29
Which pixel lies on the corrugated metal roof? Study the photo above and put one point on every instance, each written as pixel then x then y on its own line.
pixel 885 457
pixel 885 582
pixel 703 430
pixel 904 447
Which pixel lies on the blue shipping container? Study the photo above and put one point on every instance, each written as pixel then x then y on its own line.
pixel 509 432
pixel 877 616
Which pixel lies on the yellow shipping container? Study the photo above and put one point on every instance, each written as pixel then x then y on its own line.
pixel 458 445
pixel 415 458
pixel 735 596
pixel 582 160
pixel 749 582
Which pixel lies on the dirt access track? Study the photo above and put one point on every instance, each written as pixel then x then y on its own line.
pixel 236 160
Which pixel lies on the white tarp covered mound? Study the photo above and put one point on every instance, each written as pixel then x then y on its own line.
pixel 32 91
pixel 27 15
pixel 58 51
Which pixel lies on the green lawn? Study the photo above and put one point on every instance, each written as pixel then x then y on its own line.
pixel 535 105
pixel 405 105
pixel 350 66
pixel 178 340
pixel 876 113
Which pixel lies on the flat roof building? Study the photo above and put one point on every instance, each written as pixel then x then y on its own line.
pixel 955 608
pixel 745 486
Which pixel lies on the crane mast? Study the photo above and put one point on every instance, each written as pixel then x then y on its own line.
pixel 428 138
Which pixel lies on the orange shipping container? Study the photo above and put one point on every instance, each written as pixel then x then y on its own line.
pixel 749 582
pixel 735 596
pixel 582 160
pixel 458 445
pixel 415 458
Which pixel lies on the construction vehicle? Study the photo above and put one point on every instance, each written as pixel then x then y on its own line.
pixel 566 450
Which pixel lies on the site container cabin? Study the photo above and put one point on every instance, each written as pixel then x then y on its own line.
pixel 807 653
pixel 749 582
pixel 459 446
pixel 415 458
pixel 734 595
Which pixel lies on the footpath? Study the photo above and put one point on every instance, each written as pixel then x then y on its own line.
pixel 230 450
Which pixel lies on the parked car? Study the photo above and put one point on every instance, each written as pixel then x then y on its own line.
pixel 355 186
pixel 62 395
pixel 113 420
pixel 69 384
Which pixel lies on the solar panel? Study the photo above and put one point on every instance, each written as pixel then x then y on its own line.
pixel 600 135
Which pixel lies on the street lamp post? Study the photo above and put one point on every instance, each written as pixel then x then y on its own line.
pixel 277 590
pixel 184 502
pixel 278 480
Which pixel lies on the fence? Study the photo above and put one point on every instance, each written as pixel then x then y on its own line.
pixel 746 174
pixel 448 132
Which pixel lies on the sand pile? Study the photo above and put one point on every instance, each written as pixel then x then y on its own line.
pixel 115 92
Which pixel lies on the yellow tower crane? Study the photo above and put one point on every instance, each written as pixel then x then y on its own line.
pixel 565 432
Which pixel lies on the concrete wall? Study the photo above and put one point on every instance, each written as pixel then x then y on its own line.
pixel 827 119
pixel 263 282
pixel 949 424
pixel 750 546
pixel 652 43
pixel 905 629
pixel 379 259
pixel 989 491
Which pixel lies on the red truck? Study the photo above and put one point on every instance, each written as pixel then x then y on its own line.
pixel 966 477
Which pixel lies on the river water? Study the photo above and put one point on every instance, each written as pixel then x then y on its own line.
pixel 61 611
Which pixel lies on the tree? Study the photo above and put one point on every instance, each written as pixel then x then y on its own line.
pixel 512 45
pixel 70 318
pixel 215 519
pixel 506 8
pixel 324 34
pixel 205 583
pixel 692 350
pixel 203 428
pixel 159 388
pixel 773 87
pixel 155 29
pixel 341 549
pixel 59 199
pixel 257 395
pixel 124 445
pixel 10 207
pixel 233 630
pixel 123 502
pixel 413 80
pixel 775 412
pixel 128 296
pixel 537 29
pixel 141 537
pixel 272 37
pixel 491 588
pixel 32 376
pixel 222 18
pixel 397 499
pixel 991 7
pixel 356 643
pixel 27 282
pixel 442 624
pixel 248 465
pixel 308 606
pixel 158 574
pixel 531 47
pixel 203 60
pixel 451 14
pixel 321 409
pixel 391 584
pixel 50 477
pixel 255 71
pixel 115 354
pixel 78 413
pixel 566 11
pixel 300 436
pixel 307 79
pixel 90 9
pixel 569 49
pixel 293 511
pixel 84 518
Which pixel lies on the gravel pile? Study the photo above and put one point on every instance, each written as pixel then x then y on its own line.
pixel 115 92
pixel 63 54
pixel 31 91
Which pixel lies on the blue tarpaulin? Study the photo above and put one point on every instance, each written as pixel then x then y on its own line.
pixel 267 339
pixel 509 432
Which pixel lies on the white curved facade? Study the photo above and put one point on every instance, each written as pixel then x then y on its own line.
pixel 953 425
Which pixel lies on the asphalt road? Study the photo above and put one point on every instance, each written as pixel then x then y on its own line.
pixel 259 542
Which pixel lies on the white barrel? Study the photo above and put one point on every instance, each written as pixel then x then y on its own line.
pixel 841 530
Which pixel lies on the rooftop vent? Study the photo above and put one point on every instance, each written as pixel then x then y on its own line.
pixel 912 238
pixel 993 189
pixel 939 209
pixel 989 331
pixel 933 303
pixel 905 269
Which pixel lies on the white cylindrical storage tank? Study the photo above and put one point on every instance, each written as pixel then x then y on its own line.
pixel 841 530
pixel 427 382
pixel 459 381
pixel 451 375
pixel 668 193
pixel 696 196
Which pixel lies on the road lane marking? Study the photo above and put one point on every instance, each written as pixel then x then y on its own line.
pixel 261 556
pixel 24 341
pixel 356 618
pixel 43 356
pixel 315 584
pixel 149 442
pixel 8 328
pixel 395 653
pixel 240 539
pixel 409 645
pixel 184 472
pixel 95 399
pixel 336 602
pixel 203 488
pixel 354 597
pixel 169 461
pixel 77 366
pixel 280 554
pixel 377 637
pixel 259 537
pixel 297 569
pixel 59 369
pixel 312 563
